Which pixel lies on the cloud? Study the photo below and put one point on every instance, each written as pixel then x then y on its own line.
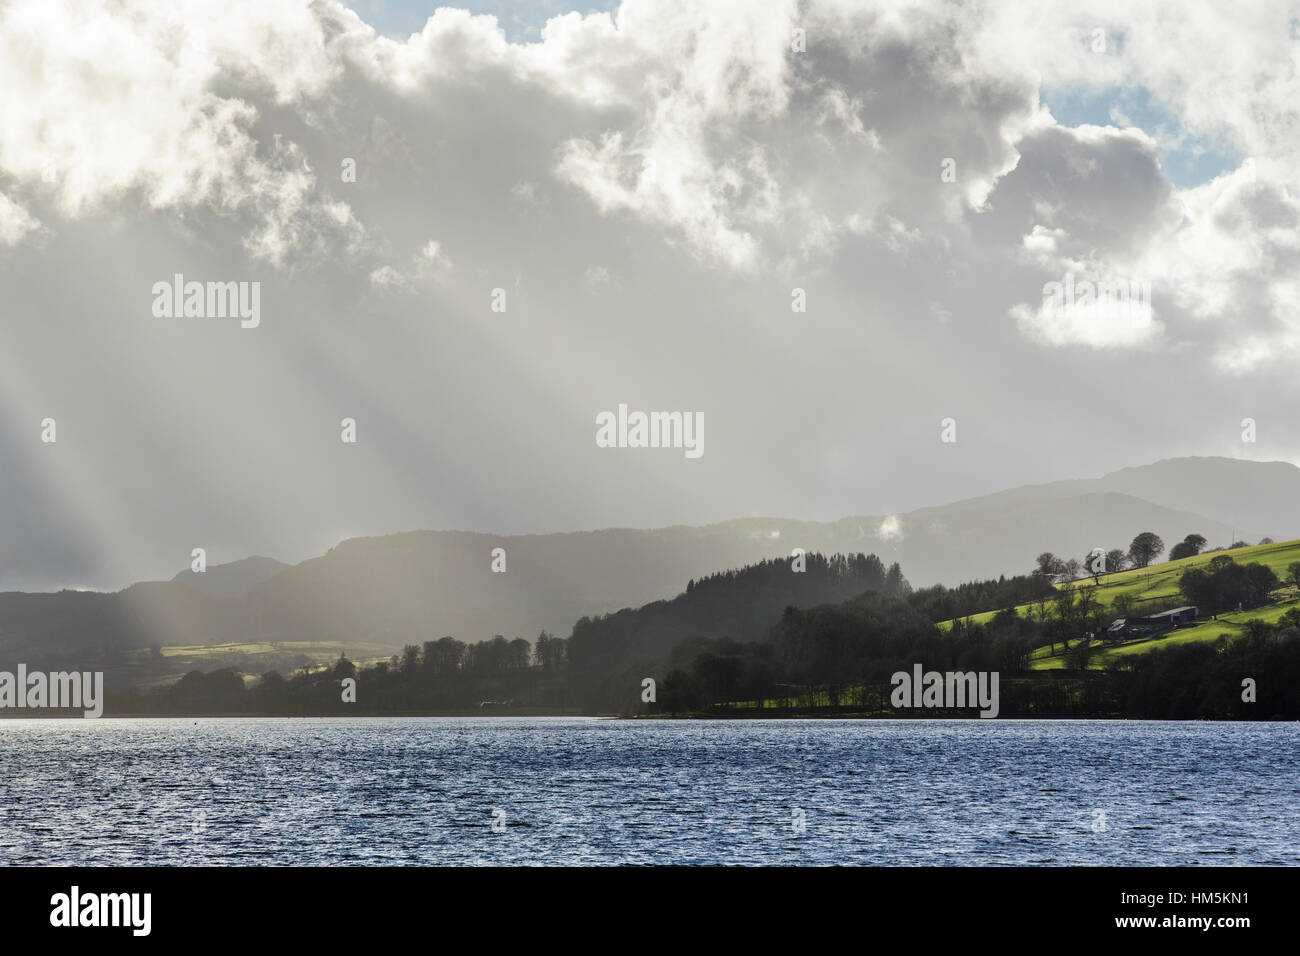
pixel 1101 320
pixel 427 261
pixel 648 185
pixel 15 222
pixel 597 278
pixel 137 107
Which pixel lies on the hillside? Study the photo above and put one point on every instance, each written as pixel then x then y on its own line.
pixel 386 592
pixel 406 588
pixel 1156 588
pixel 1256 498
pixel 233 578
pixel 739 605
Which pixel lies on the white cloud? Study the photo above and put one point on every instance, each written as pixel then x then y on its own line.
pixel 149 102
pixel 1098 324
pixel 428 261
pixel 680 159
pixel 596 278
pixel 15 222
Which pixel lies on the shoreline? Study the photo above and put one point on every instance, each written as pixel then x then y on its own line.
pixel 947 718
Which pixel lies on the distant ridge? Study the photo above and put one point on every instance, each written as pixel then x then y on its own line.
pixel 234 578
pixel 416 586
pixel 1262 495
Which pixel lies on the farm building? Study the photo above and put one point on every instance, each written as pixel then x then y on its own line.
pixel 1153 624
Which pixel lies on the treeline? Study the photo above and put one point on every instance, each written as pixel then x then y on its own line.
pixel 825 660
pixel 1224 584
pixel 774 639
pixel 442 675
pixel 824 653
pixel 609 651
pixel 1207 680
pixel 839 661
pixel 591 670
pixel 1144 549
pixel 842 656
pixel 941 603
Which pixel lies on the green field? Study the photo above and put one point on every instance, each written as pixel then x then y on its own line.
pixel 1155 588
pixel 253 658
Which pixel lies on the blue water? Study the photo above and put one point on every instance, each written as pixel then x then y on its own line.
pixel 579 791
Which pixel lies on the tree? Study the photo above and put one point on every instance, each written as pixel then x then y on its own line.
pixel 895 583
pixel 1040 608
pixel 1227 584
pixel 1145 548
pixel 1199 589
pixel 1293 573
pixel 678 692
pixel 548 652
pixel 1066 614
pixel 519 653
pixel 1260 582
pixel 1189 547
pixel 1116 560
pixel 410 660
pixel 1089 610
pixel 449 657
pixel 1078 657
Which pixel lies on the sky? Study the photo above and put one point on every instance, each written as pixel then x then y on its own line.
pixel 649 189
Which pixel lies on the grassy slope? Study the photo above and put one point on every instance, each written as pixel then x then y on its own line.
pixel 1157 586
pixel 253 659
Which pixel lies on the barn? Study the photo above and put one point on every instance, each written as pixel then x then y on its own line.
pixel 1154 623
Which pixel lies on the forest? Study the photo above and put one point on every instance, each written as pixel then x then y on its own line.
pixel 763 641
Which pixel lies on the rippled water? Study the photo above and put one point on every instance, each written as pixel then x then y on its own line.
pixel 558 791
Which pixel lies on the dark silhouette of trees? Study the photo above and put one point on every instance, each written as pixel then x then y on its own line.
pixel 1145 548
pixel 767 639
pixel 1224 584
pixel 941 603
pixel 1049 565
pixel 1189 547
pixel 548 652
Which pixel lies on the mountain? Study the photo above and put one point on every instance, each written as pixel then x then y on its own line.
pixel 234 578
pixel 1002 536
pixel 419 585
pixel 41 627
pixel 1261 495
pixel 422 585
pixel 1264 495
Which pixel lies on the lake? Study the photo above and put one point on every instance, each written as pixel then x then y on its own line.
pixel 590 791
